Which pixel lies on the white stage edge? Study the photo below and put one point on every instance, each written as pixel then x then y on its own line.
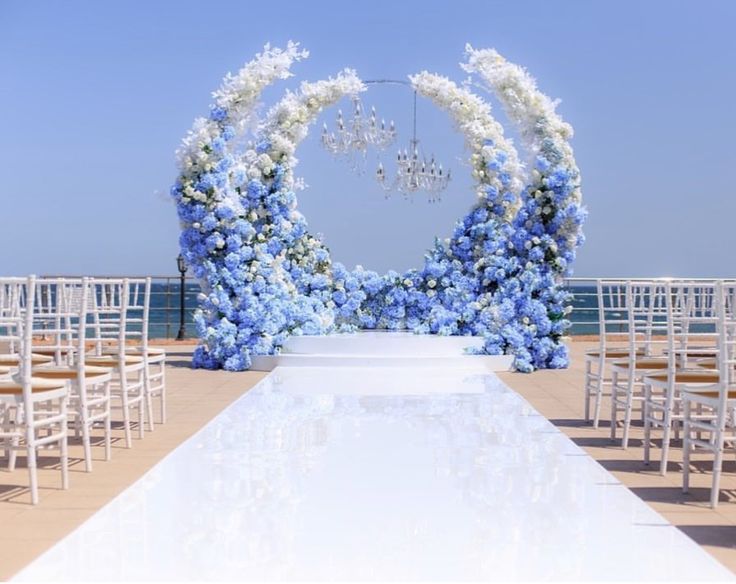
pixel 324 474
pixel 382 349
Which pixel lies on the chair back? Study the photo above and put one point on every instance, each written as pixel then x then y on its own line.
pixel 613 317
pixel 726 335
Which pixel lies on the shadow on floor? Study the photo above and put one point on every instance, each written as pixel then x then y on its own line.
pixel 723 536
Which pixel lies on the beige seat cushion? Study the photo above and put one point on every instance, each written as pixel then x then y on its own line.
pixel 112 360
pixel 70 372
pixel 708 364
pixel 710 392
pixel 52 351
pixel 152 351
pixel 688 377
pixel 14 359
pixel 38 385
pixel 613 353
pixel 644 364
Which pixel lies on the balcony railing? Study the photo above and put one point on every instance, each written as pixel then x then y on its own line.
pixel 165 306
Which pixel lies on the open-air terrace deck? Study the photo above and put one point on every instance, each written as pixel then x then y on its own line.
pixel 196 396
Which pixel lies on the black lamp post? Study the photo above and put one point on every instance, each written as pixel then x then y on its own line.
pixel 182 270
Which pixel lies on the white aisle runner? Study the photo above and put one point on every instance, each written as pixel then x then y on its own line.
pixel 369 473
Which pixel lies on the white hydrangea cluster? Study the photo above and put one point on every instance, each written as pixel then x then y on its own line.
pixel 236 98
pixel 493 157
pixel 533 112
pixel 287 123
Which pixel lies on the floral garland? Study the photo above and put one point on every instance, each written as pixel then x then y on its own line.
pixel 265 277
pixel 548 227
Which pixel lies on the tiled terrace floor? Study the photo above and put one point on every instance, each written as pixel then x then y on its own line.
pixel 195 397
pixel 558 395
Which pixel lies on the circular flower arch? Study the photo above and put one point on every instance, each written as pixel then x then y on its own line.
pixel 265 277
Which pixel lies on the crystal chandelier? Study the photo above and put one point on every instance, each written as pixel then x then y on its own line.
pixel 357 135
pixel 415 173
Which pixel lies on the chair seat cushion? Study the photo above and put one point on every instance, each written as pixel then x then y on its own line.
pixel 112 360
pixel 612 353
pixel 644 364
pixel 687 376
pixel 51 351
pixel 69 372
pixel 152 351
pixel 14 359
pixel 37 385
pixel 708 392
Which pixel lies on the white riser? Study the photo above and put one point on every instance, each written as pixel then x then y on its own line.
pixel 372 381
pixel 477 363
pixel 381 343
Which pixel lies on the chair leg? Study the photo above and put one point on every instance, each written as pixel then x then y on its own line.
pixel 588 374
pixel 13 455
pixel 614 406
pixel 686 447
pixel 32 473
pixel 666 431
pixel 717 464
pixel 629 411
pixel 647 422
pixel 108 423
pixel 148 397
pixel 14 443
pixel 141 404
pixel 86 443
pixel 126 419
pixel 64 446
pixel 599 394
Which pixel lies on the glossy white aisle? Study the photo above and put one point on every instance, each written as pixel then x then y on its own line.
pixel 368 473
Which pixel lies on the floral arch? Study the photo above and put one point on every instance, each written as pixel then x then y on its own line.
pixel 265 277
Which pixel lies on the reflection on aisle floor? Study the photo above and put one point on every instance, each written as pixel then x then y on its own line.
pixel 366 473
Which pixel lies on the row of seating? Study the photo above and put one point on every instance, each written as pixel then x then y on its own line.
pixel 667 348
pixel 72 351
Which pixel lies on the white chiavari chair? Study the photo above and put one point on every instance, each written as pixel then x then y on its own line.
pixel 719 398
pixel 40 405
pixel 645 329
pixel 690 313
pixel 90 385
pixel 154 357
pixel 612 326
pixel 112 330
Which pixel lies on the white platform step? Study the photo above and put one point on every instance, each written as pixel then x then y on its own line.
pixel 383 349
pixel 382 343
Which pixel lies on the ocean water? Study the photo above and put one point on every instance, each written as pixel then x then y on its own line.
pixel 164 317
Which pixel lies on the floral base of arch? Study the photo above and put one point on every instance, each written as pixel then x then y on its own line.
pixel 265 277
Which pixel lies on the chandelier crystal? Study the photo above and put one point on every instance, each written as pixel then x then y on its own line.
pixel 355 136
pixel 352 138
pixel 415 173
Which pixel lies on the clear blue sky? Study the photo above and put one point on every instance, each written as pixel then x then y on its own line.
pixel 95 97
